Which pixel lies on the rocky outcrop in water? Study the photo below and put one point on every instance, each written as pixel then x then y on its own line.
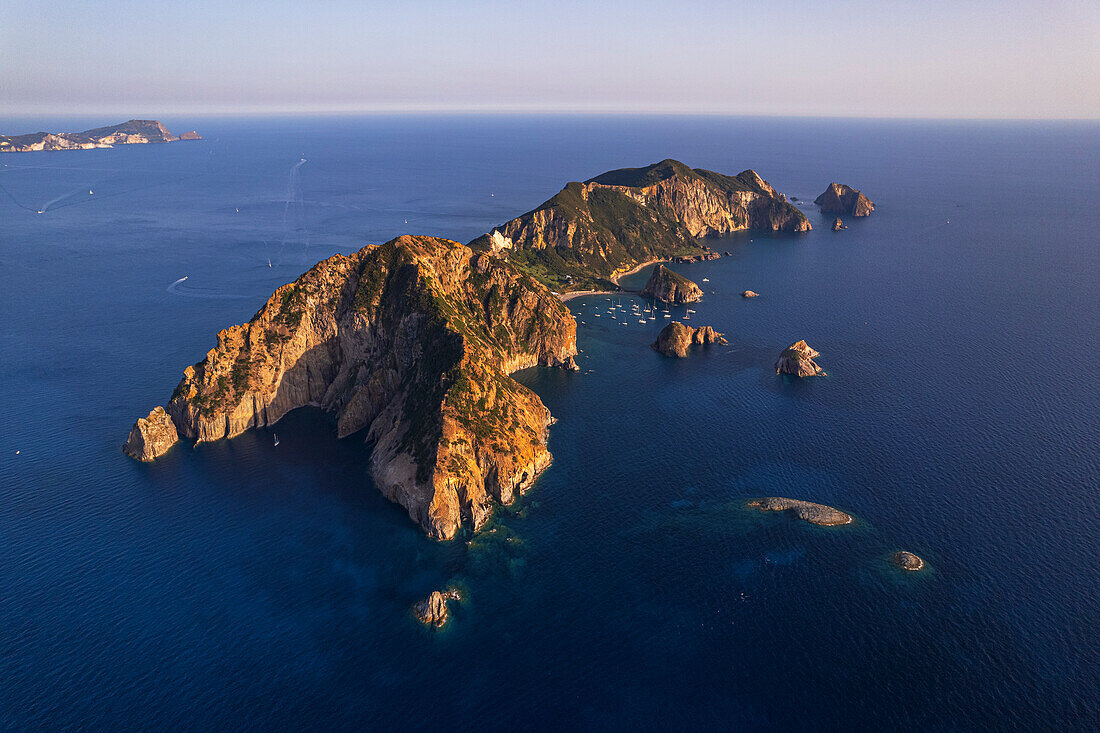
pixel 907 561
pixel 670 287
pixel 676 338
pixel 586 234
pixel 798 359
pixel 750 294
pixel 825 516
pixel 838 225
pixel 839 198
pixel 433 611
pixel 151 437
pixel 412 343
pixel 127 133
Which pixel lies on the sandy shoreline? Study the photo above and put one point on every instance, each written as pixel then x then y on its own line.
pixel 614 278
pixel 580 293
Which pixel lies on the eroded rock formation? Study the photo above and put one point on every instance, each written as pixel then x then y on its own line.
pixel 151 437
pixel 750 294
pixel 798 359
pixel 825 516
pixel 676 338
pixel 411 341
pixel 434 611
pixel 839 198
pixel 670 287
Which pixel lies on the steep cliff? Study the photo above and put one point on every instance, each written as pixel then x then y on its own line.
pixel 131 132
pixel 839 198
pixel 411 341
pixel 151 437
pixel 590 231
pixel 670 287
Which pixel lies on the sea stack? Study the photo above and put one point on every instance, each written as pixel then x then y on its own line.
pixel 433 610
pixel 676 338
pixel 670 287
pixel 838 225
pixel 839 198
pixel 807 511
pixel 151 436
pixel 798 359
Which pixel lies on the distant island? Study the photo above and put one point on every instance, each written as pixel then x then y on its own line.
pixel 132 132
pixel 411 343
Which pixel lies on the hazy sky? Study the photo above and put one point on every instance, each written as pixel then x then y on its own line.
pixel 924 58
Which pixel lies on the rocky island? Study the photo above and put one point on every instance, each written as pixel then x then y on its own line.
pixel 819 514
pixel 587 233
pixel 676 338
pixel 132 132
pixel 839 198
pixel 670 287
pixel 798 360
pixel 412 342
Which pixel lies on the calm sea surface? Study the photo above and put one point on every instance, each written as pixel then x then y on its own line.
pixel 246 586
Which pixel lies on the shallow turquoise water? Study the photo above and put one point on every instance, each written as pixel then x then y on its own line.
pixel 243 585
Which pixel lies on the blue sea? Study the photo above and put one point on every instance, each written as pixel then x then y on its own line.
pixel 242 585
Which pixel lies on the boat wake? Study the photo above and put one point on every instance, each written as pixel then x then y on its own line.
pixel 187 291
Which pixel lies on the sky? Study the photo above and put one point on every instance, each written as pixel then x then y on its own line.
pixel 849 58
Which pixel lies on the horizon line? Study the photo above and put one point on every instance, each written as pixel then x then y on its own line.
pixel 518 110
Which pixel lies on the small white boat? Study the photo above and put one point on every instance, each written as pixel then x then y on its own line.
pixel 706 279
pixel 91 192
pixel 276 439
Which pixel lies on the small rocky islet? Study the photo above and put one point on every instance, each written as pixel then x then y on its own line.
pixel 840 198
pixel 798 360
pixel 807 511
pixel 676 338
pixel 670 287
pixel 907 561
pixel 434 611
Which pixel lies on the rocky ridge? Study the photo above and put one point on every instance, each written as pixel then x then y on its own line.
pixel 131 132
pixel 839 198
pixel 587 233
pixel 676 338
pixel 670 287
pixel 412 342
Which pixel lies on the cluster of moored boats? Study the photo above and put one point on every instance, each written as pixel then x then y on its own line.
pixel 645 311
